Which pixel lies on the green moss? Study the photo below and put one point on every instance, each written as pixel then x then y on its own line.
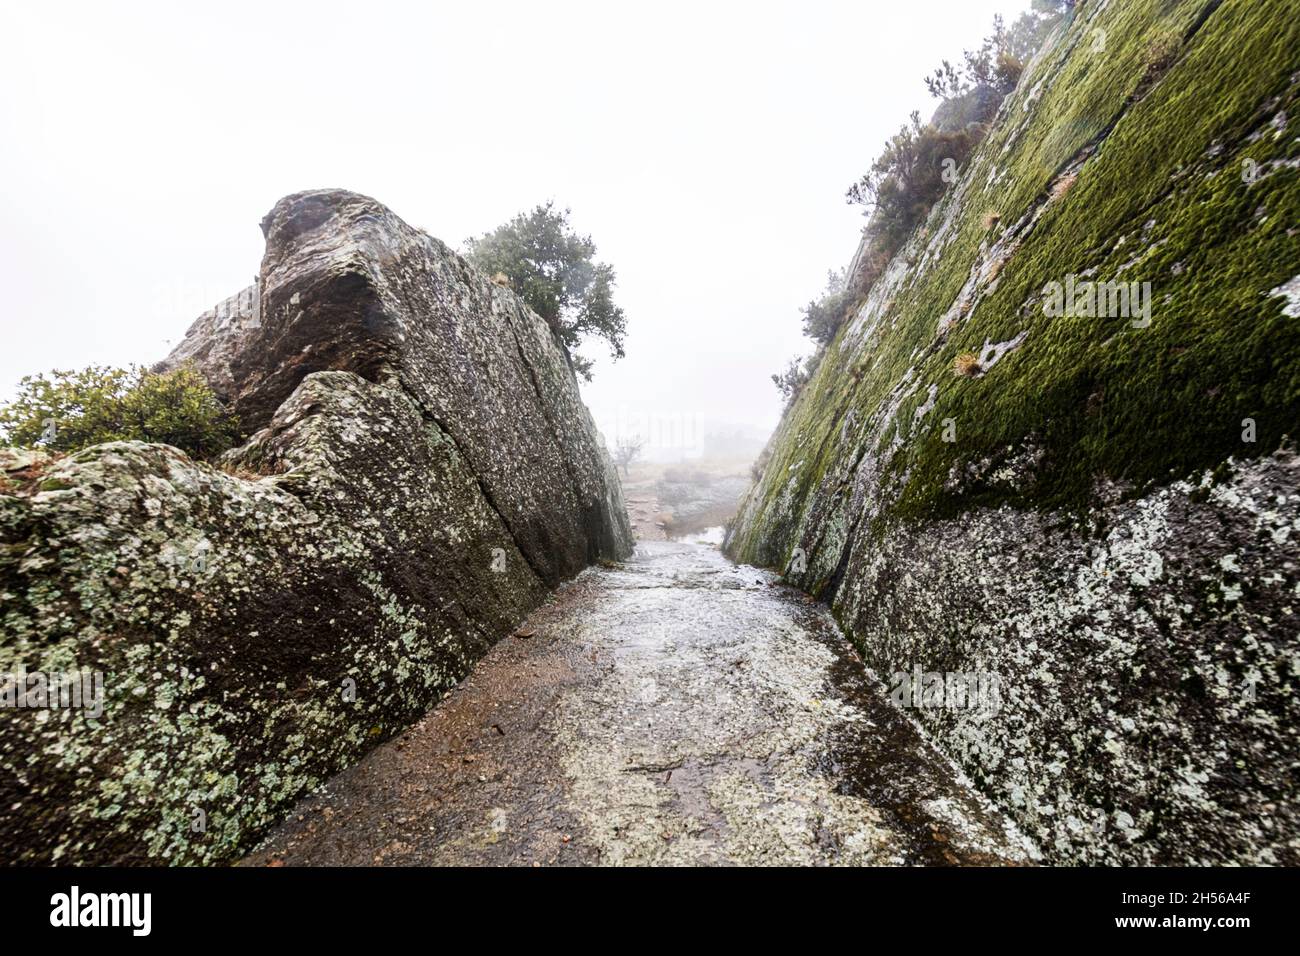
pixel 1151 404
pixel 1159 197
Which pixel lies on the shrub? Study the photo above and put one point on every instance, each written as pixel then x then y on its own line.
pixel 823 317
pixel 670 493
pixel 681 475
pixel 996 64
pixel 790 380
pixel 795 376
pixel 908 178
pixel 1158 57
pixel 68 411
pixel 966 365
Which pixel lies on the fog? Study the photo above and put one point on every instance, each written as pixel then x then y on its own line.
pixel 705 147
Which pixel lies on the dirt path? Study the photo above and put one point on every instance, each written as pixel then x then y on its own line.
pixel 676 710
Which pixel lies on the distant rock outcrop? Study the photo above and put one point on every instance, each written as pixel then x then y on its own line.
pixel 422 473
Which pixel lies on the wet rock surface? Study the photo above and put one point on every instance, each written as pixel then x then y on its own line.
pixel 696 505
pixel 675 709
pixel 1147 674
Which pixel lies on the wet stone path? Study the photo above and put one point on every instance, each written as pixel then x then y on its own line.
pixel 677 709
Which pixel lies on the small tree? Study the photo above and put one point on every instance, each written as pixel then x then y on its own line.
pixel 908 178
pixel 791 381
pixel 555 271
pixel 993 63
pixel 822 317
pixel 68 411
pixel 996 64
pixel 627 451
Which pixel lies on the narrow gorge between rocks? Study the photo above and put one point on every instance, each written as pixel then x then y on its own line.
pixel 1010 577
pixel 677 709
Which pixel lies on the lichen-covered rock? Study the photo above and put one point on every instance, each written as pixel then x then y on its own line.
pixel 1104 514
pixel 346 284
pixel 423 473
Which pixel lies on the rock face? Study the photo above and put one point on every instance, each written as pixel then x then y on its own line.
pixel 1103 516
pixel 423 472
pixel 346 284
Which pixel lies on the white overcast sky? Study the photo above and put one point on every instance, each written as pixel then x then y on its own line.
pixel 705 146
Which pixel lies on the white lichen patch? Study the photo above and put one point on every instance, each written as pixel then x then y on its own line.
pixel 1290 291
pixel 259 633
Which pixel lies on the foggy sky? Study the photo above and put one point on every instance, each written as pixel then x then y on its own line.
pixel 706 147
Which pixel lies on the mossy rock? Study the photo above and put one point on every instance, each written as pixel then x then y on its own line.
pixel 1114 160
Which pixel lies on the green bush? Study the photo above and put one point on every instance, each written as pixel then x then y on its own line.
pixel 909 177
pixel 922 160
pixel 795 376
pixel 68 411
pixel 556 273
pixel 822 317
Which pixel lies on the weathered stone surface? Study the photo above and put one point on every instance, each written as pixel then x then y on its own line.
pixel 734 726
pixel 424 472
pixel 400 306
pixel 218 336
pixel 1106 516
pixel 1146 673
